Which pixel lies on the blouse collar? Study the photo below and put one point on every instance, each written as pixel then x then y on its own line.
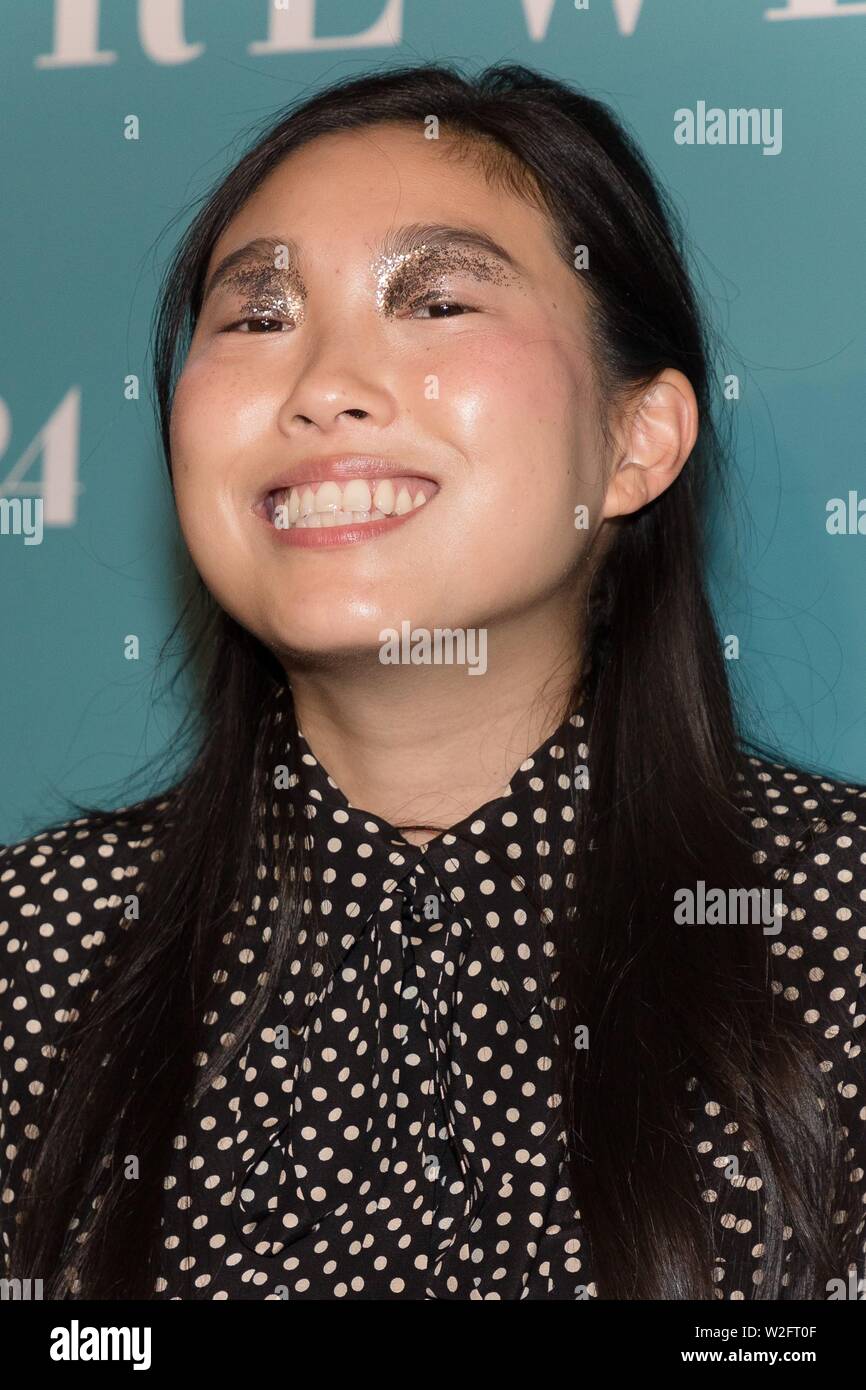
pixel 359 862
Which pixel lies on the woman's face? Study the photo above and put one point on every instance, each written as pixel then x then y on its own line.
pixel 333 366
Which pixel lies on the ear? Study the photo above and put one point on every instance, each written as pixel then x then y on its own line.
pixel 653 445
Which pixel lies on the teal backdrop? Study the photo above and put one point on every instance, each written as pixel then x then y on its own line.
pixel 90 217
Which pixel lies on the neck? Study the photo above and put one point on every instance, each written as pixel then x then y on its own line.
pixel 423 746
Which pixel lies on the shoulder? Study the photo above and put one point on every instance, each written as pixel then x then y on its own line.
pixel 63 893
pixel 810 831
pixel 60 882
pixel 810 828
pixel 800 798
pixel 64 896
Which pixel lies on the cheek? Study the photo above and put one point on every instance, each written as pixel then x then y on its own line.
pixel 210 422
pixel 218 420
pixel 216 415
pixel 520 408
pixel 520 413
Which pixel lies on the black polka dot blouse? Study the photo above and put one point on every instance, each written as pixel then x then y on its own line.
pixel 390 1130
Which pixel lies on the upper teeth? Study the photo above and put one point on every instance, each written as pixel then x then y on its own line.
pixel 356 500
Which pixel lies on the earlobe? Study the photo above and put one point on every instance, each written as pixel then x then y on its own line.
pixel 627 491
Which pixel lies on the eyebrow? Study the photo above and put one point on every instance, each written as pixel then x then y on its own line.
pixel 436 235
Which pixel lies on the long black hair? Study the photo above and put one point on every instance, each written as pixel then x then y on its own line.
pixel 664 803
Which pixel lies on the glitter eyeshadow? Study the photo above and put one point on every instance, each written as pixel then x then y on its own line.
pixel 399 277
pixel 269 290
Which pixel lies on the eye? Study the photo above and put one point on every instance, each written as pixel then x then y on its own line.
pixel 432 301
pixel 265 323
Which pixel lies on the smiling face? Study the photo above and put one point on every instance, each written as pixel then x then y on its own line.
pixel 358 347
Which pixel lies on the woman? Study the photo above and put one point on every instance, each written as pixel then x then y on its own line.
pixel 439 973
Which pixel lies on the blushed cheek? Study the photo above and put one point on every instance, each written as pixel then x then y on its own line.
pixel 194 466
pixel 522 416
pixel 521 413
pixel 223 430
pixel 191 424
pixel 482 381
pixel 522 381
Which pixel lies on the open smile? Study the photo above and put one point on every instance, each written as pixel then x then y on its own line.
pixel 332 512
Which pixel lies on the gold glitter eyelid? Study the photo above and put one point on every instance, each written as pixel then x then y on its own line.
pixel 258 283
pixel 399 276
pixel 274 304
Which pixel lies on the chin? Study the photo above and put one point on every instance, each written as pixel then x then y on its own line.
pixel 327 641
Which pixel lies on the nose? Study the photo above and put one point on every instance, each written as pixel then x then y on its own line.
pixel 341 374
